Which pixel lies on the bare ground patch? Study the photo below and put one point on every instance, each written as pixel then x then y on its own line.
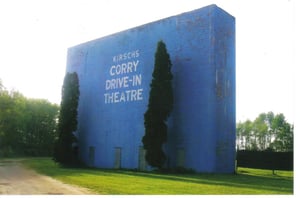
pixel 15 179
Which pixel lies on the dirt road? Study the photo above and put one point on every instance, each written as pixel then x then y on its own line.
pixel 15 179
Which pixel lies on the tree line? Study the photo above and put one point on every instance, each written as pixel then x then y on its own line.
pixel 267 132
pixel 27 126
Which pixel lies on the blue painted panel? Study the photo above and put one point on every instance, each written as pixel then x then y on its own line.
pixel 115 74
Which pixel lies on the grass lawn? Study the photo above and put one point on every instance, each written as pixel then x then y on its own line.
pixel 246 181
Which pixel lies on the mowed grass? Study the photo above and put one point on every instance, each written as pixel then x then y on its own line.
pixel 246 181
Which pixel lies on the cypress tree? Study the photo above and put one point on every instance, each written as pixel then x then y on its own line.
pixel 67 121
pixel 159 108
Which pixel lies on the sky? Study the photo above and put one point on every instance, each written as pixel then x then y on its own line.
pixel 35 36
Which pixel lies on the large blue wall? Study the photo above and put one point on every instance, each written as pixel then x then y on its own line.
pixel 115 74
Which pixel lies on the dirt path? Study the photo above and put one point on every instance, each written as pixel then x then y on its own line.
pixel 18 180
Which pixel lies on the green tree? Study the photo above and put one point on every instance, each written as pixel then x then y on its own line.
pixel 159 108
pixel 283 134
pixel 261 131
pixel 67 121
pixel 267 131
pixel 41 123
pixel 27 126
pixel 244 134
pixel 12 106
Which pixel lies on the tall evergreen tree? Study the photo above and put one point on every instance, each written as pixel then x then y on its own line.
pixel 159 108
pixel 67 121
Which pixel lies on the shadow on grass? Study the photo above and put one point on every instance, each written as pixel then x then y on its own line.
pixel 243 179
pixel 239 180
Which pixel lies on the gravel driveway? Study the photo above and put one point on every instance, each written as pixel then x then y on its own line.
pixel 15 179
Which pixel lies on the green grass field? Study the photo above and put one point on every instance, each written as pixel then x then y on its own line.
pixel 246 181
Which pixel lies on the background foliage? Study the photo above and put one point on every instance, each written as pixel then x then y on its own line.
pixel 266 132
pixel 27 126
